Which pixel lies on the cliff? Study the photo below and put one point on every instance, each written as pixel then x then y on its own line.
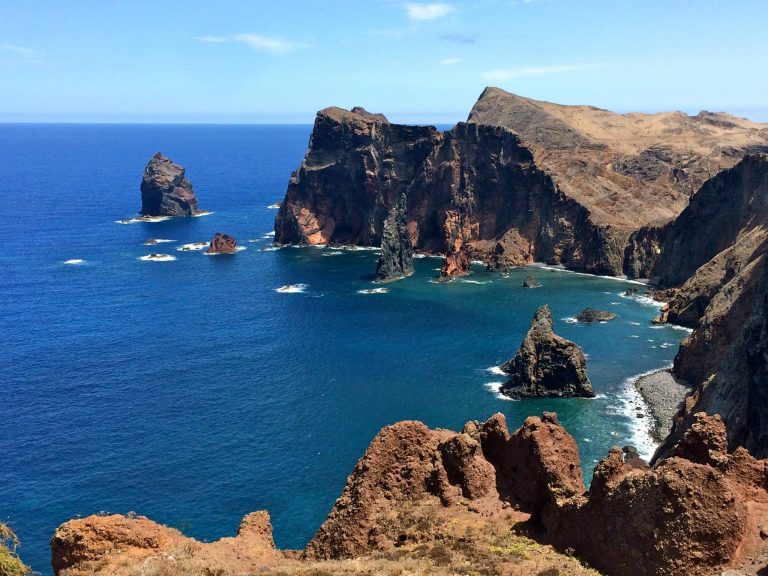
pixel 165 190
pixel 396 258
pixel 484 500
pixel 523 180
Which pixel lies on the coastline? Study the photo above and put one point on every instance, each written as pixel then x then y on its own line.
pixel 663 394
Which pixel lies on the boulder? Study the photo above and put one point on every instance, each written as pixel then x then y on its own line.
pixel 165 190
pixel 531 282
pixel 546 364
pixel 590 315
pixel 222 244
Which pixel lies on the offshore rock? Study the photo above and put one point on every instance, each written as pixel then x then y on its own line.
pixel 396 258
pixel 222 244
pixel 590 315
pixel 546 364
pixel 165 190
pixel 531 282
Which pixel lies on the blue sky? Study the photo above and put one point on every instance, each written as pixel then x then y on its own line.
pixel 281 61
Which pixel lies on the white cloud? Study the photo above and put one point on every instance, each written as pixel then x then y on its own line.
pixel 428 11
pixel 450 61
pixel 255 41
pixel 522 72
pixel 20 51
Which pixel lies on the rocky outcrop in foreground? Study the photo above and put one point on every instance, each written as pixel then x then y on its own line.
pixel 165 190
pixel 222 244
pixel 457 502
pixel 521 181
pixel 396 258
pixel 546 364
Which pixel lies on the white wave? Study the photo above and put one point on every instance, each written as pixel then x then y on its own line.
pixel 632 403
pixel 422 255
pixel 650 340
pixel 496 370
pixel 681 328
pixel 192 246
pixel 373 291
pixel 615 303
pixel 635 323
pixel 270 248
pixel 145 219
pixel 202 213
pixel 152 241
pixel 569 320
pixel 319 246
pixel 254 240
pixel 642 299
pixel 495 387
pixel 237 249
pixel 465 281
pixel 560 268
pixel 477 262
pixel 274 206
pixel 74 261
pixel 586 440
pixel 292 289
pixel 157 258
pixel 634 336
pixel 666 345
pixel 333 253
pixel 269 234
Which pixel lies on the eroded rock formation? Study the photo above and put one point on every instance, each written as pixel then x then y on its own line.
pixel 546 364
pixel 222 244
pixel 522 180
pixel 699 511
pixel 396 258
pixel 165 190
pixel 531 282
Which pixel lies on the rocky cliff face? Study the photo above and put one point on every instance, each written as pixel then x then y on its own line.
pixel 451 500
pixel 521 181
pixel 396 258
pixel 546 364
pixel 165 190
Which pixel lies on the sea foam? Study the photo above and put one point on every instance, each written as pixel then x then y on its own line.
pixel 292 289
pixel 157 258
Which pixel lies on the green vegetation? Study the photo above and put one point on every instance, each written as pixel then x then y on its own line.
pixel 10 564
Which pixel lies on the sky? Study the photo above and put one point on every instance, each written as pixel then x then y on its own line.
pixel 279 61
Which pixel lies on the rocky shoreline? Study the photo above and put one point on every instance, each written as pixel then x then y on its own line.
pixel 663 394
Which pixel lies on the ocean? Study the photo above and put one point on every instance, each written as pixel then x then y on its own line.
pixel 200 388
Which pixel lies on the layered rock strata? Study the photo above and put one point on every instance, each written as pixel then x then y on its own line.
pixel 165 190
pixel 523 180
pixel 546 364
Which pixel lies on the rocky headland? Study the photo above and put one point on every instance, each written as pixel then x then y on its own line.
pixel 165 190
pixel 521 181
pixel 546 365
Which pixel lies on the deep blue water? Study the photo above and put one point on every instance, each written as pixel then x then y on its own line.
pixel 191 391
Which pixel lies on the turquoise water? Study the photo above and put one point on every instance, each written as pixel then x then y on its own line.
pixel 193 392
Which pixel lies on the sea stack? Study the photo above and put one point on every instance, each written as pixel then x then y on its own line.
pixel 546 364
pixel 396 258
pixel 222 244
pixel 165 191
pixel 531 282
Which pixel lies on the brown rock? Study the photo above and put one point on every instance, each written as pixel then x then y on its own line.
pixel 546 364
pixel 165 190
pixel 222 244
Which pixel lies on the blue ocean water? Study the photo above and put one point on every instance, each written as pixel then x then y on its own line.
pixel 193 392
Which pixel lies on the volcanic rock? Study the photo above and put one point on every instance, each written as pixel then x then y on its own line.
pixel 396 258
pixel 222 244
pixel 531 282
pixel 546 364
pixel 165 191
pixel 589 315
